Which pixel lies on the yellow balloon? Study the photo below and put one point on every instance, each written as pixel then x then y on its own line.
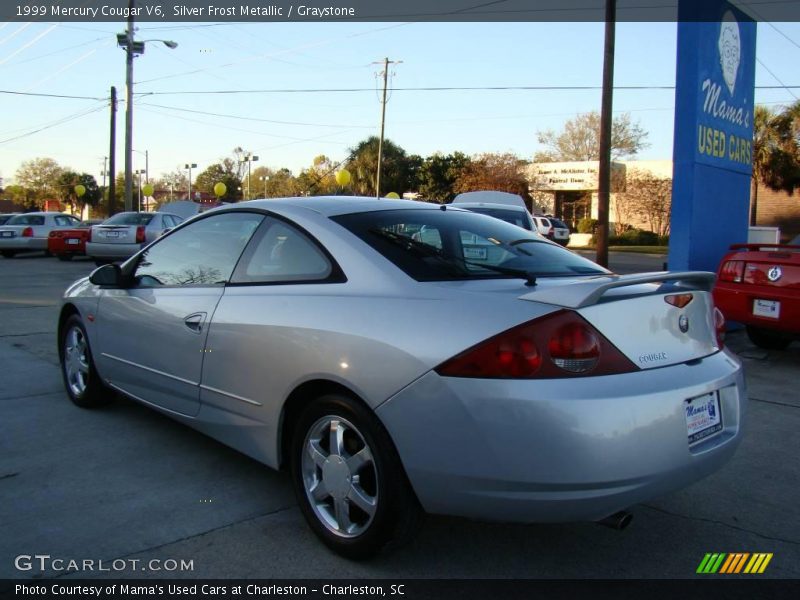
pixel 220 189
pixel 343 177
pixel 147 189
pixel 80 190
pixel 392 195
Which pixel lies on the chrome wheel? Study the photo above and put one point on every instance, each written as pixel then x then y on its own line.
pixel 76 361
pixel 340 477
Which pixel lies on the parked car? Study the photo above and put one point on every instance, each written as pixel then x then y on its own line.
pixel 758 285
pixel 553 229
pixel 500 205
pixel 5 217
pixel 125 233
pixel 28 232
pixel 392 376
pixel 65 243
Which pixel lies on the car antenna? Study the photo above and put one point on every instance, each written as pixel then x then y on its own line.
pixel 530 279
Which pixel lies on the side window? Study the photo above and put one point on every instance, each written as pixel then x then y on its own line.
pixel 204 253
pixel 66 221
pixel 282 253
pixel 167 222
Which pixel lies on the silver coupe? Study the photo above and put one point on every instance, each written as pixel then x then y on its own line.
pixel 475 369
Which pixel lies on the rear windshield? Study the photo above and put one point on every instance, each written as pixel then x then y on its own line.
pixel 447 245
pixel 515 217
pixel 129 219
pixel 558 223
pixel 26 220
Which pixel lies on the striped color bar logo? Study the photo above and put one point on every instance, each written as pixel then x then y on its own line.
pixel 735 563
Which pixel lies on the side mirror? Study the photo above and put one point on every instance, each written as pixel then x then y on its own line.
pixel 107 276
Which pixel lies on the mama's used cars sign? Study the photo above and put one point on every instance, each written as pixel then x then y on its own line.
pixel 713 149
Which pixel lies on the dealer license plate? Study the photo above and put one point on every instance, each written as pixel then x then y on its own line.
pixel 73 241
pixel 771 309
pixel 475 253
pixel 703 417
pixel 6 234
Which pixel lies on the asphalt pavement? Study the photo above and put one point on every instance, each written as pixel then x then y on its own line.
pixel 126 484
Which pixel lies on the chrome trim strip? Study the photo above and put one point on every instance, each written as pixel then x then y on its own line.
pixel 229 395
pixel 150 370
pixel 143 401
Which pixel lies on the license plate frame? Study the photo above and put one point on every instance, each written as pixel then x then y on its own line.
pixel 703 417
pixel 6 234
pixel 72 241
pixel 767 309
pixel 112 234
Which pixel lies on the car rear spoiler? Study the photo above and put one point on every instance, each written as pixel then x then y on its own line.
pixel 589 292
pixel 765 247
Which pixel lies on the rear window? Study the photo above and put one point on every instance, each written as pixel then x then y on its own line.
pixel 26 220
pixel 559 224
pixel 447 245
pixel 129 219
pixel 515 217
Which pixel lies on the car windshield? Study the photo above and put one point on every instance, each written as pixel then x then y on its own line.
pixel 515 217
pixel 559 224
pixel 447 245
pixel 129 219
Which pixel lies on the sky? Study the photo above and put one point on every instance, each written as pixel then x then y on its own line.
pixel 177 121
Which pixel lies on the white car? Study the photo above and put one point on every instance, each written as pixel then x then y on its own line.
pixel 500 205
pixel 29 232
pixel 552 229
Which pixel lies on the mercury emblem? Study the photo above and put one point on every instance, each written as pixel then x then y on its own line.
pixel 774 273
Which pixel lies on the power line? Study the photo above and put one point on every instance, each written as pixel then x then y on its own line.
pixel 54 124
pixel 15 93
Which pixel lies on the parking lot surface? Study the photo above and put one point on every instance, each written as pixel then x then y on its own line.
pixel 127 484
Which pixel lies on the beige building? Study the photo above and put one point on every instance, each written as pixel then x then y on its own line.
pixel 568 190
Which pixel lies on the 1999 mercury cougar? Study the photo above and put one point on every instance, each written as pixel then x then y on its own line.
pixel 476 370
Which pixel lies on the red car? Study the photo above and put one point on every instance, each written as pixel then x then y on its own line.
pixel 66 243
pixel 759 285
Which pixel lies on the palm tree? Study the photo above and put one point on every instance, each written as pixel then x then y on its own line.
pixel 775 152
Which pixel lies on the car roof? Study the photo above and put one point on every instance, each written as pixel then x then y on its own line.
pixel 490 197
pixel 331 206
pixel 469 205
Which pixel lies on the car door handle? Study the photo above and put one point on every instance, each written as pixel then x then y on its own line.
pixel 195 321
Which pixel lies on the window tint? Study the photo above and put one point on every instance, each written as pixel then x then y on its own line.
pixel 282 253
pixel 27 220
pixel 515 217
pixel 203 253
pixel 129 218
pixel 437 245
pixel 66 221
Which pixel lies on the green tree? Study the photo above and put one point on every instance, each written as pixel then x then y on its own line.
pixel 438 174
pixel 221 172
pixel 580 139
pixel 363 167
pixel 40 178
pixel 282 184
pixel 500 172
pixel 66 183
pixel 776 159
pixel 320 178
pixel 649 198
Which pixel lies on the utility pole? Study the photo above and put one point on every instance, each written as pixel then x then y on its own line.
pixel 129 54
pixel 190 166
pixel 112 187
pixel 386 63
pixel 604 175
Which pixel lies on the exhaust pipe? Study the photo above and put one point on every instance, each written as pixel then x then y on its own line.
pixel 618 521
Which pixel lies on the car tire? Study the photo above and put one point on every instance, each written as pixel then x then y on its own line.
pixel 65 257
pixel 349 481
pixel 81 380
pixel 8 253
pixel 767 339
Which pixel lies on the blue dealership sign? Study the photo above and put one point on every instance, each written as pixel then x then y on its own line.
pixel 713 148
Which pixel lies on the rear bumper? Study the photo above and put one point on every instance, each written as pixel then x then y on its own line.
pixel 560 450
pixel 59 246
pixel 736 303
pixel 102 250
pixel 23 243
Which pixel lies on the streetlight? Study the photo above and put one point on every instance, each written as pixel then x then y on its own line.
pixel 146 164
pixel 249 159
pixel 190 166
pixel 139 173
pixel 265 179
pixel 132 49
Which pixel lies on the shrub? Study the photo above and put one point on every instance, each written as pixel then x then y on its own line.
pixel 587 225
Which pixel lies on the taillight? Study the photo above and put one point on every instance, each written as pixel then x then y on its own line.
pixel 140 234
pixel 719 327
pixel 732 270
pixel 678 300
pixel 52 234
pixel 27 232
pixel 562 344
